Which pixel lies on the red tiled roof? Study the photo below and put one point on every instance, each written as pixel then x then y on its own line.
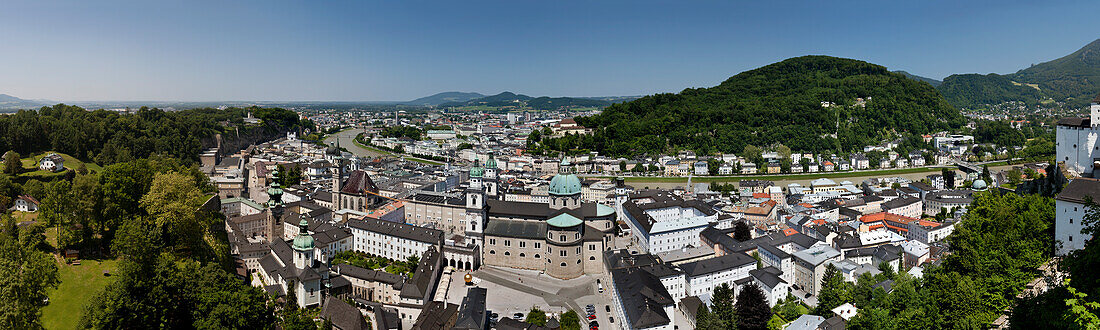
pixel 789 232
pixel 359 183
pixel 29 199
pixel 761 195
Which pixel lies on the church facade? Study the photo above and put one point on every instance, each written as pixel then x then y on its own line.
pixel 564 238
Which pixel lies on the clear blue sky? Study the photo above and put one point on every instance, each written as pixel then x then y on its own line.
pixel 400 50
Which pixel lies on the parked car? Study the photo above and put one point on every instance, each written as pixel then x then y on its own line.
pixel 591 316
pixel 611 319
pixel 517 316
pixel 607 308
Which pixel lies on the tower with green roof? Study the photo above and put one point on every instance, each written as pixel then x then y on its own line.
pixel 303 245
pixel 475 204
pixel 492 184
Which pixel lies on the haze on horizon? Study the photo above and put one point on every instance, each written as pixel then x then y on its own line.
pixel 401 50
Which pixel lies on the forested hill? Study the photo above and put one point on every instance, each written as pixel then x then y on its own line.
pixel 1073 79
pixel 777 103
pixel 107 137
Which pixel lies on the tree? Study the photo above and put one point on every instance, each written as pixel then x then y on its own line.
pixel 705 320
pixel 742 232
pixel 622 166
pixel 171 202
pixel 570 320
pixel 784 151
pixel 25 274
pixel 752 308
pixel 722 300
pixel 12 164
pixel 56 210
pixel 834 291
pixel 536 316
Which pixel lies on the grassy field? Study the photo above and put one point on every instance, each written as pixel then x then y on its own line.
pixel 79 284
pixel 778 177
pixel 70 162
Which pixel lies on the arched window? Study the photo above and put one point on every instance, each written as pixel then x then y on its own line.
pixel 507 253
pixel 521 255
pixel 563 264
pixel 492 252
pixel 592 258
pixel 537 256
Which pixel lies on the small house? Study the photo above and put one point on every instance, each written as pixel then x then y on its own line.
pixel 52 163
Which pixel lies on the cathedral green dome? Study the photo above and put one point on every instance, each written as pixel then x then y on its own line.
pixel 565 183
pixel 492 163
pixel 303 242
pixel 979 184
pixel 477 171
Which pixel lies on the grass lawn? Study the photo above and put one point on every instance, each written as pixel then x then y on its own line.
pixel 70 162
pixel 79 284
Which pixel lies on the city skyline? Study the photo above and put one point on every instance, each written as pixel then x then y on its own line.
pixel 344 51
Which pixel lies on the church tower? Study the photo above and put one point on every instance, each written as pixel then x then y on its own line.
pixel 492 182
pixel 337 178
pixel 275 207
pixel 621 197
pixel 303 246
pixel 475 205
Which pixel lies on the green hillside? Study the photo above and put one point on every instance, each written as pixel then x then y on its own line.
pixel 974 90
pixel 778 103
pixel 1073 79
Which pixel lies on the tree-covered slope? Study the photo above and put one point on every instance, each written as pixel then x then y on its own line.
pixel 974 90
pixel 778 103
pixel 1073 79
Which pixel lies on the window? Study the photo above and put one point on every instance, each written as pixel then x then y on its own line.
pixel 492 252
pixel 538 245
pixel 522 244
pixel 507 253
pixel 563 264
pixel 521 255
pixel 537 256
pixel 507 243
pixel 592 247
pixel 563 253
pixel 562 237
pixel 1071 238
pixel 592 258
pixel 492 241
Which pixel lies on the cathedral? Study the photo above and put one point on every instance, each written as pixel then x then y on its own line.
pixel 564 238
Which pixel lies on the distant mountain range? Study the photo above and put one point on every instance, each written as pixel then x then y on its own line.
pixel 8 102
pixel 539 103
pixel 445 97
pixel 934 82
pixel 1073 79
